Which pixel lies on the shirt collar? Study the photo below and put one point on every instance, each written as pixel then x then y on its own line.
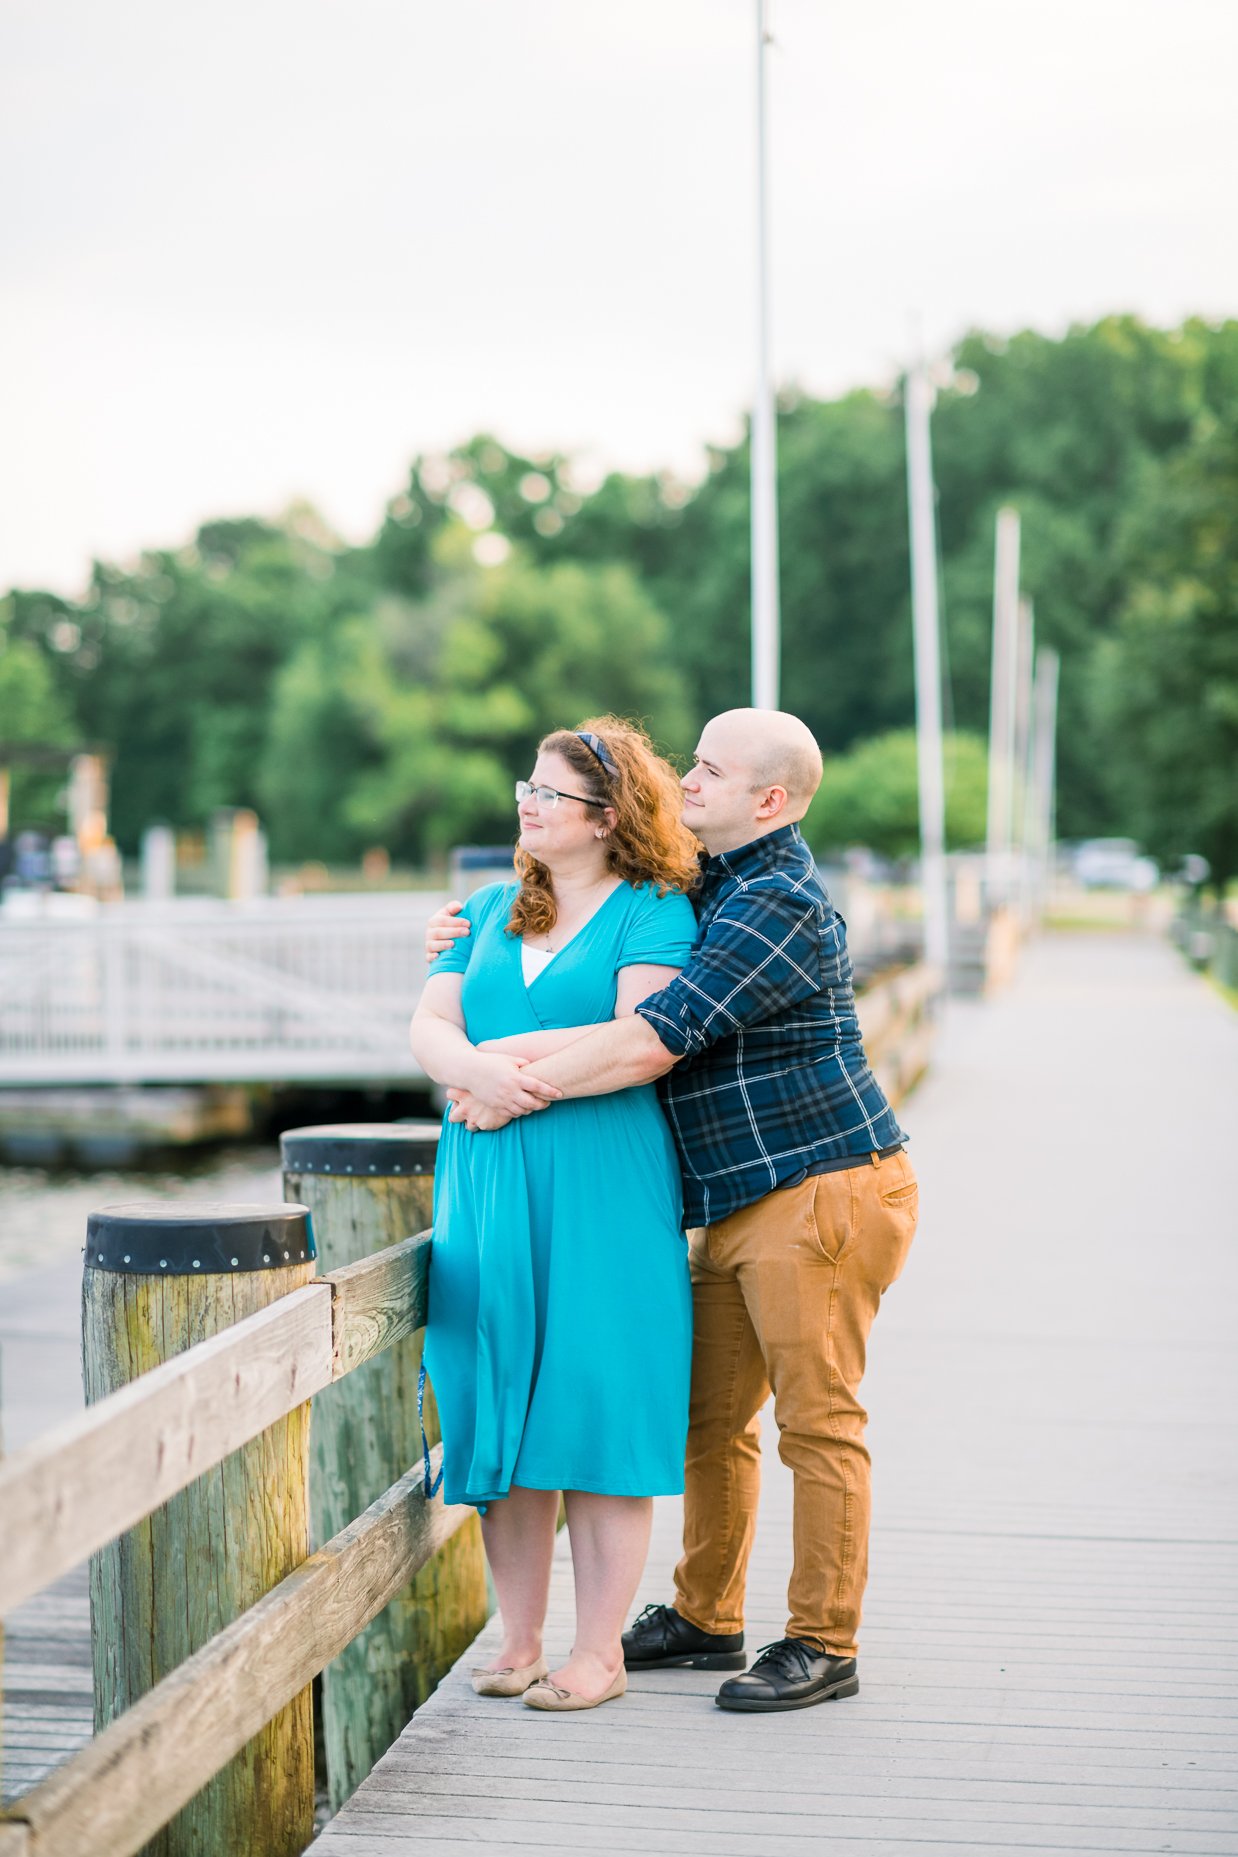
pixel 761 854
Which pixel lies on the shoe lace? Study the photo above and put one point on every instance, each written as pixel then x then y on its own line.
pixel 651 1615
pixel 789 1657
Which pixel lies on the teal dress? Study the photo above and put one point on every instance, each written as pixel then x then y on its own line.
pixel 560 1321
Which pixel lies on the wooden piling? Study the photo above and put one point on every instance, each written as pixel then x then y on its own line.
pixel 368 1185
pixel 157 1280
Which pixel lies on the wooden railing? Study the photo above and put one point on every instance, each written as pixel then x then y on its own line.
pixel 898 1021
pixel 74 1490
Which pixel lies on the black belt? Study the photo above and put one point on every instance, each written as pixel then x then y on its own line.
pixel 841 1164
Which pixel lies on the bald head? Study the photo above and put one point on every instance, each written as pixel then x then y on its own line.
pixel 774 749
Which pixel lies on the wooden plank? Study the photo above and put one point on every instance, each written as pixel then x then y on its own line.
pixel 445 1791
pixel 113 1796
pixel 367 1433
pixel 879 1010
pixel 48 1693
pixel 88 1480
pixel 576 1830
pixel 200 1560
pixel 895 1003
pixel 378 1300
pixel 900 1063
pixel 457 1764
pixel 452 1836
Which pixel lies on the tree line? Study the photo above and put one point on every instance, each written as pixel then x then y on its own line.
pixel 389 693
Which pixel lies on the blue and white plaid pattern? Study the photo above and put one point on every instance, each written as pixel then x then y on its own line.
pixel 772 1074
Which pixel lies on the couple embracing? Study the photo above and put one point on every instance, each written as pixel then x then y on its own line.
pixel 638 1037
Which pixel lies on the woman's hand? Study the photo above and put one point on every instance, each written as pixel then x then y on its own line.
pixel 466 1108
pixel 497 1083
pixel 444 928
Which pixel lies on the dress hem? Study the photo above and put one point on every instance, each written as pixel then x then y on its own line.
pixel 585 1488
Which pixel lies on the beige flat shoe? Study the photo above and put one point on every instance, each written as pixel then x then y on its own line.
pixel 543 1695
pixel 508 1682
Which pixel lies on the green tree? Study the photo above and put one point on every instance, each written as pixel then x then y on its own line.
pixel 184 652
pixel 267 662
pixel 1076 432
pixel 32 716
pixel 517 650
pixel 846 626
pixel 317 746
pixel 871 796
pixel 1165 686
pixel 527 500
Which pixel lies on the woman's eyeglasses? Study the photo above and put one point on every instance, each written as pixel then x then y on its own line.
pixel 550 796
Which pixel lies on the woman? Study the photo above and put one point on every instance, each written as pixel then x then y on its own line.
pixel 559 1332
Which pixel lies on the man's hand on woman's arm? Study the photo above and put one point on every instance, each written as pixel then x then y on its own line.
pixel 445 928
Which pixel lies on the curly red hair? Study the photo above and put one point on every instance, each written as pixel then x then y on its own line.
pixel 649 843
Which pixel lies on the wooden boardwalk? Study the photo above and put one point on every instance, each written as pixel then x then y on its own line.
pixel 45 1682
pixel 48 1704
pixel 1050 1653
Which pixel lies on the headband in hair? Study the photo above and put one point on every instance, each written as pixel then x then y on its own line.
pixel 600 752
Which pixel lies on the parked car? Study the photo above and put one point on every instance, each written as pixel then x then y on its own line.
pixel 1114 864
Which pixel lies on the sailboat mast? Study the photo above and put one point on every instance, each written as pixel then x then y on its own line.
pixel 765 617
pixel 919 403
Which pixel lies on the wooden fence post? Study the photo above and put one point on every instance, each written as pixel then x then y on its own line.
pixel 158 1279
pixel 368 1185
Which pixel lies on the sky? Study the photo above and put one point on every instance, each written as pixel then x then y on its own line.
pixel 261 250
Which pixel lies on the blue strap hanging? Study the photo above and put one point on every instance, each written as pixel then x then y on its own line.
pixel 431 1488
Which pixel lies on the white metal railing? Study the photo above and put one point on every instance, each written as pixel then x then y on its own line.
pixel 297 988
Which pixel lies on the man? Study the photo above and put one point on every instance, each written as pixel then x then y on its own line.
pixel 803 1207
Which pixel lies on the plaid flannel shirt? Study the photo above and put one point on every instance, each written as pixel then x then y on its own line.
pixel 772 1075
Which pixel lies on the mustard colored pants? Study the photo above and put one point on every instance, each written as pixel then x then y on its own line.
pixel 784 1294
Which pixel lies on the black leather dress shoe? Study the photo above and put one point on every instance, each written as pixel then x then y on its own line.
pixel 792 1674
pixel 661 1640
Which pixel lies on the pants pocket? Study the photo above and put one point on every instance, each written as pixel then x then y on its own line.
pixel 832 1214
pixel 700 1259
pixel 902 1189
pixel 901 1196
pixel 900 1210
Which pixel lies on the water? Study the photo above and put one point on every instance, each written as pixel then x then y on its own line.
pixel 43 1214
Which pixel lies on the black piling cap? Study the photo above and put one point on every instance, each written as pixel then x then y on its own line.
pixel 150 1238
pixel 371 1150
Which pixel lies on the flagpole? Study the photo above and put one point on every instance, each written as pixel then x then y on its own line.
pixel 765 618
pixel 1021 783
pixel 919 403
pixel 1044 743
pixel 1003 677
